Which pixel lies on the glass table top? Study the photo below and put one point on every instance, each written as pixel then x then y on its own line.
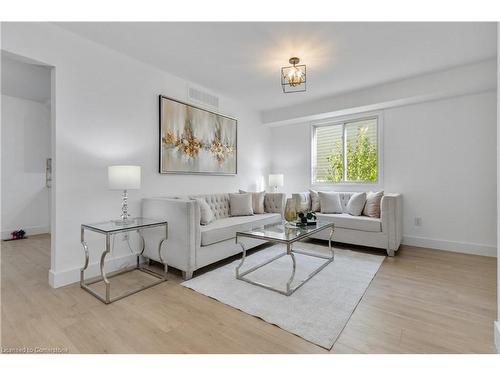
pixel 111 226
pixel 284 232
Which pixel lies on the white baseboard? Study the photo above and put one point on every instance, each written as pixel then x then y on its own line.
pixel 30 231
pixel 496 327
pixel 66 277
pixel 459 247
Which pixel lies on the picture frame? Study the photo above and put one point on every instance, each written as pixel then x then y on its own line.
pixel 195 140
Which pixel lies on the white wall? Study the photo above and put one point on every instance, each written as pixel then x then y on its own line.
pixel 25 147
pixel 23 79
pixel 440 155
pixel 496 327
pixel 106 112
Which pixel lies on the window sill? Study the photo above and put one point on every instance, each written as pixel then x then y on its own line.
pixel 361 186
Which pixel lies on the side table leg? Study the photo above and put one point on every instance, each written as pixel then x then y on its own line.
pixel 143 246
pixel 103 273
pixel 86 250
pixel 162 259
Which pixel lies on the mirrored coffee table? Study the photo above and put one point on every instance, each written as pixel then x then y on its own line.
pixel 287 235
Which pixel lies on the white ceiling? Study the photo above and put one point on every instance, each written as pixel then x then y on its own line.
pixel 243 60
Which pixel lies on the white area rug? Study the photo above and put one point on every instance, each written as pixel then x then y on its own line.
pixel 318 311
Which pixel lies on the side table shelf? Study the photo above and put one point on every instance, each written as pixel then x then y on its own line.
pixel 109 229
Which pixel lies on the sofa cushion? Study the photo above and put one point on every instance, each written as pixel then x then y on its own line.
pixel 372 205
pixel 219 203
pixel 356 203
pixel 206 214
pixel 315 203
pixel 240 204
pixel 226 228
pixel 330 202
pixel 257 201
pixel 346 221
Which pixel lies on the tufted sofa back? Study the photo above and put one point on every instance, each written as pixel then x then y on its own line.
pixel 219 203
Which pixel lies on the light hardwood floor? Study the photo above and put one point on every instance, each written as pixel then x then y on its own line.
pixel 421 301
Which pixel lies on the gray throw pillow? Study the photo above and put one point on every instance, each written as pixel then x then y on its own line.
pixel 257 201
pixel 315 202
pixel 372 205
pixel 240 204
pixel 356 204
pixel 330 202
pixel 206 214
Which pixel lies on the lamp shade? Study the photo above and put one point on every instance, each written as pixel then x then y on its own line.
pixel 275 180
pixel 124 177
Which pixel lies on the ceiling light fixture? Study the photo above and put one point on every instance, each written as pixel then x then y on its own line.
pixel 293 78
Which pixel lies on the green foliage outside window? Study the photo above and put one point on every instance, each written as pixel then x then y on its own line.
pixel 361 160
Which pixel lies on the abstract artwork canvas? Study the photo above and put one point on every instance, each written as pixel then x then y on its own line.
pixel 194 140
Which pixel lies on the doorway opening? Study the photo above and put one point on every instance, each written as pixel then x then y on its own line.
pixel 27 126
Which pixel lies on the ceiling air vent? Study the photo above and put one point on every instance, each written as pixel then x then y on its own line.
pixel 203 97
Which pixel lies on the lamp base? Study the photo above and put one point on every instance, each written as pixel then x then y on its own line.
pixel 125 216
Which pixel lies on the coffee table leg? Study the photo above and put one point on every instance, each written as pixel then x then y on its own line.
pixel 332 253
pixel 242 258
pixel 289 252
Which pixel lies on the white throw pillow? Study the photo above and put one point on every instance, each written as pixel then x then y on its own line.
pixel 372 205
pixel 240 204
pixel 356 204
pixel 257 201
pixel 206 214
pixel 330 202
pixel 315 201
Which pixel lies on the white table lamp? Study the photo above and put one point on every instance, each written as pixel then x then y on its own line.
pixel 124 177
pixel 275 180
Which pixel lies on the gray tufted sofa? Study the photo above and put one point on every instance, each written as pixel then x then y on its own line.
pixel 384 232
pixel 190 245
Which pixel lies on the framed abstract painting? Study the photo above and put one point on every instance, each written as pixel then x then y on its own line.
pixel 196 141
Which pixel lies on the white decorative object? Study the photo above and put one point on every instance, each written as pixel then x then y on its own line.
pixel 275 180
pixel 318 311
pixel 124 177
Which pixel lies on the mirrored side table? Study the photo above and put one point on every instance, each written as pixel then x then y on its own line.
pixel 109 229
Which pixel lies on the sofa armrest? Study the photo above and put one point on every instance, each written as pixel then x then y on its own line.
pixel 275 203
pixel 391 215
pixel 184 235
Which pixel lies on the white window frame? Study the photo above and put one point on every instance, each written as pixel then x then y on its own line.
pixel 339 121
